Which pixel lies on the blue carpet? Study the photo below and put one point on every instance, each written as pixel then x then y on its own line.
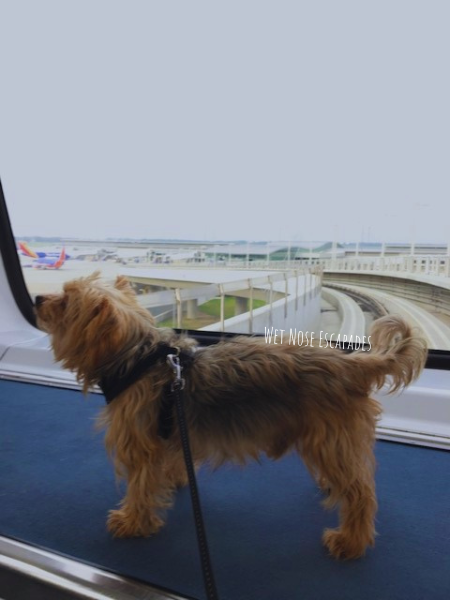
pixel 264 522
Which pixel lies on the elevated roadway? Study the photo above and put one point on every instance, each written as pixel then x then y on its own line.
pixel 435 332
pixel 201 284
pixel 351 316
pixel 432 292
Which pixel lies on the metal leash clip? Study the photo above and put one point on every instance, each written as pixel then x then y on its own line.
pixel 178 382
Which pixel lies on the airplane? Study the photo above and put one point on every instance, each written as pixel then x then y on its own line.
pixel 27 251
pixel 47 262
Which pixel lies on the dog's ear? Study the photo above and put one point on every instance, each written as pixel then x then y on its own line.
pixel 93 277
pixel 103 333
pixel 123 284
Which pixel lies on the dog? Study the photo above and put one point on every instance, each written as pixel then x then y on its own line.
pixel 242 397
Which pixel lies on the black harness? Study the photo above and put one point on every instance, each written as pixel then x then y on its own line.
pixel 113 386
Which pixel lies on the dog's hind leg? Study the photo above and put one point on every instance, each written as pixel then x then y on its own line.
pixel 339 452
pixel 356 530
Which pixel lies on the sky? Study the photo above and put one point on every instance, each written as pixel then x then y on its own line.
pixel 254 120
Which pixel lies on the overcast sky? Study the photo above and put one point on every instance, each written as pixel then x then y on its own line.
pixel 226 120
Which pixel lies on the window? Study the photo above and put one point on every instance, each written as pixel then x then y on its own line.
pixel 246 167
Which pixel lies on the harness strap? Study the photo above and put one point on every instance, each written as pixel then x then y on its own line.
pixel 113 386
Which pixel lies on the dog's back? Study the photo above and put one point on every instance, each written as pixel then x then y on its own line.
pixel 267 395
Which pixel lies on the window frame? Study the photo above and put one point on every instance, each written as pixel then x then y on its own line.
pixel 437 359
pixel 417 415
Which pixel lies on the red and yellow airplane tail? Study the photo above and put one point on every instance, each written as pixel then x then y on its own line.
pixel 27 251
pixel 61 259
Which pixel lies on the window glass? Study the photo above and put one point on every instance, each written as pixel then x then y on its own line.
pixel 248 165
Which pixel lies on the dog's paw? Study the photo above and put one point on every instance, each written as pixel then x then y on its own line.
pixel 342 546
pixel 123 524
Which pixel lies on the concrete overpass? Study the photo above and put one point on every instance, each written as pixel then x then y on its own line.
pixel 289 295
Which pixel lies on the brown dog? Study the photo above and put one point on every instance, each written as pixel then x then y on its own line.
pixel 242 397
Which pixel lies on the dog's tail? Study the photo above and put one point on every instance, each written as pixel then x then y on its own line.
pixel 398 353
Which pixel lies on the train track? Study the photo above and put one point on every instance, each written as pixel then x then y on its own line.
pixel 365 302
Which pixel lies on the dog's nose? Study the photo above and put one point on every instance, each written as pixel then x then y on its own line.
pixel 39 300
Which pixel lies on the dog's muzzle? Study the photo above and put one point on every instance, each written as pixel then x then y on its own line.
pixel 39 300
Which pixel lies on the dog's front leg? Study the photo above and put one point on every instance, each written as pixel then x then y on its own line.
pixel 149 492
pixel 175 467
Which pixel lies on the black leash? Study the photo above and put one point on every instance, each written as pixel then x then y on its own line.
pixel 176 389
pixel 113 386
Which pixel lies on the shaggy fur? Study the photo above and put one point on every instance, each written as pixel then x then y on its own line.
pixel 242 397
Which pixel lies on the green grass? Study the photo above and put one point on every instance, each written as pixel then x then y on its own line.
pixel 212 307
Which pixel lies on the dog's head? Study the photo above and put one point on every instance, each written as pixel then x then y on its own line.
pixel 91 322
